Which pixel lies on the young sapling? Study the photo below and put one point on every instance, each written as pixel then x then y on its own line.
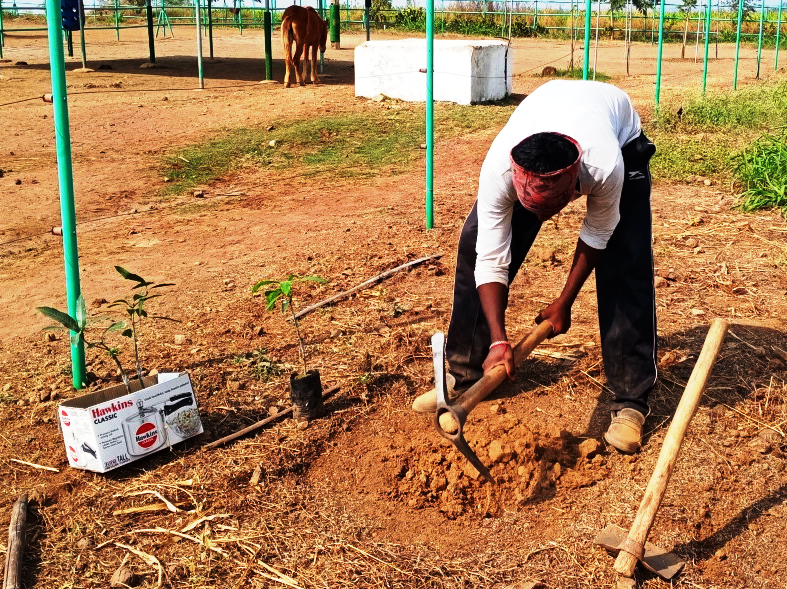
pixel 281 291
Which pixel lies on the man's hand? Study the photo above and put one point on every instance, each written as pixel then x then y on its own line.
pixel 559 312
pixel 501 356
pixel 559 315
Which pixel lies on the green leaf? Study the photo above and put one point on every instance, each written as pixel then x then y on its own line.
pixel 81 312
pixel 119 303
pixel 128 333
pixel 286 288
pixel 116 326
pixel 131 276
pixel 162 286
pixel 262 283
pixel 75 338
pixel 64 319
pixel 313 279
pixel 142 313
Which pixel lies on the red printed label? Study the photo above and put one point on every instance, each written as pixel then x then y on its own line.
pixel 146 435
pixel 65 418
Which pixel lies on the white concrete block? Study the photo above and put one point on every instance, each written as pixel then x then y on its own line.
pixel 465 71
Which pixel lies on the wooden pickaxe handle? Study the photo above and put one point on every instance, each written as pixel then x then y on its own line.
pixel 490 381
pixel 638 534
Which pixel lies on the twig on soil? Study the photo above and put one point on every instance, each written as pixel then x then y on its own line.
pixel 363 285
pixel 148 558
pixel 259 424
pixel 380 561
pixel 775 428
pixel 207 518
pixel 34 465
pixel 186 536
pixel 171 506
pixel 146 509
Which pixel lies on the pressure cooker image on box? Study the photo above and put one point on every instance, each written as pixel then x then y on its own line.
pixel 144 430
pixel 181 416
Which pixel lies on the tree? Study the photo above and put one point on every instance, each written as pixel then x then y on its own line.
pixel 686 8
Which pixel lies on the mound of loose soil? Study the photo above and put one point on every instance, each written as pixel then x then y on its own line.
pixel 525 462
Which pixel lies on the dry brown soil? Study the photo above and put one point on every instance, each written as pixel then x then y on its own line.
pixel 370 495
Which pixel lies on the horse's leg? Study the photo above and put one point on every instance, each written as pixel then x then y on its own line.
pixel 298 63
pixel 286 41
pixel 315 78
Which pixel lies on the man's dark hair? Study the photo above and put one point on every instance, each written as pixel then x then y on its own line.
pixel 544 152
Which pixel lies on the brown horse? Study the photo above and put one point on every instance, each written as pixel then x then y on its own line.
pixel 308 30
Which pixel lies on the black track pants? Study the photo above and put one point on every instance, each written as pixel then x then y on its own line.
pixel 624 285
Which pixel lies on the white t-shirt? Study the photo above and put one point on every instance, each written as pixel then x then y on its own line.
pixel 601 118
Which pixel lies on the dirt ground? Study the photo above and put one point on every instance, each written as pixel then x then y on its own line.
pixel 370 495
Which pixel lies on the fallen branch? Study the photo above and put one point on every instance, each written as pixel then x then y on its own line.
pixel 12 576
pixel 263 423
pixel 34 465
pixel 148 508
pixel 363 285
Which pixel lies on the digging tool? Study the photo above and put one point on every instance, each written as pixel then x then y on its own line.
pixel 633 547
pixel 450 417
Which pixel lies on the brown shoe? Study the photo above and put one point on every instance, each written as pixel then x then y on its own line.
pixel 625 431
pixel 427 403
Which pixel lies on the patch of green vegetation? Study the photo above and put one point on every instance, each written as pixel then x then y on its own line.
pixel 680 156
pixel 578 74
pixel 355 145
pixel 258 364
pixel 752 107
pixel 761 169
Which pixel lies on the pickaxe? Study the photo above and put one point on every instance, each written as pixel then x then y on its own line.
pixel 449 419
pixel 632 547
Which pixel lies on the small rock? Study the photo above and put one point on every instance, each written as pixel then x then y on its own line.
pixel 260 330
pixel 770 436
pixel 18 182
pixel 589 448
pixel 180 339
pixel 548 71
pixel 495 409
pixel 199 194
pixel 499 452
pixel 691 242
pixel 697 312
pixel 379 98
pixel 272 143
pixel 21 403
pixel 660 282
pixel 707 182
pixel 273 410
pixel 50 336
pixel 721 554
pixel 302 425
pixel 336 333
pixel 6 387
pixel 123 577
pixel 44 395
pixel 84 543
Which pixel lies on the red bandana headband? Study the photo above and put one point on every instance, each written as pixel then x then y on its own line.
pixel 546 194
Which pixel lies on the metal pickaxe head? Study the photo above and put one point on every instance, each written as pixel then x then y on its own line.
pixel 457 411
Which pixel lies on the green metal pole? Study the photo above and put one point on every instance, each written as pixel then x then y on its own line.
pixel 759 41
pixel 70 43
pixel 366 7
pixel 660 53
pixel 586 64
pixel 151 36
pixel 57 70
pixel 117 21
pixel 268 28
pixel 535 16
pixel 430 114
pixel 737 46
pixel 2 37
pixel 82 34
pixel 778 35
pixel 210 28
pixel 707 45
pixel 321 10
pixel 198 22
pixel 336 24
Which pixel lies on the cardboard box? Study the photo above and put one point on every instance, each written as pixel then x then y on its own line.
pixel 112 427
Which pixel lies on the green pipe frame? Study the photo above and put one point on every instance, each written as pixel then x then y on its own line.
pixel 660 55
pixel 759 39
pixel 707 45
pixel 737 45
pixel 778 35
pixel 65 180
pixel 429 114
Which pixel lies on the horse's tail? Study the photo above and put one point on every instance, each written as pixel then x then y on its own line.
pixel 287 37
